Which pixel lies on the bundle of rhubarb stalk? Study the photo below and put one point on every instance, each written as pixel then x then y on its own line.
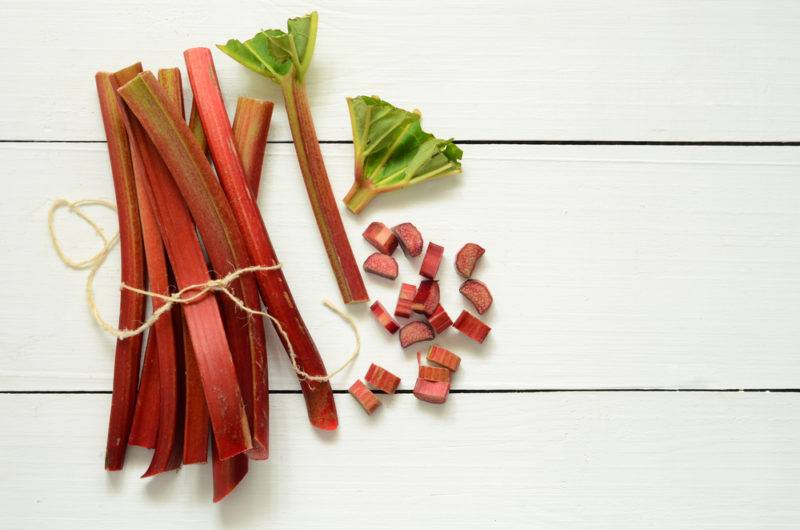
pixel 188 219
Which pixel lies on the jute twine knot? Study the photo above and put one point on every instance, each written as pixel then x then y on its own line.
pixel 187 295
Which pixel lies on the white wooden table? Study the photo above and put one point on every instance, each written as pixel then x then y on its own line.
pixel 633 169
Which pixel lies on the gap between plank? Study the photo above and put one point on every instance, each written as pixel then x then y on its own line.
pixel 472 391
pixel 674 143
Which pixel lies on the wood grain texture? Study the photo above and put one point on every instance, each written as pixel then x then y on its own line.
pixel 610 267
pixel 557 461
pixel 513 69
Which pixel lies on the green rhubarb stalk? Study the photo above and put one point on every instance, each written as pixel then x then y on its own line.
pixel 392 151
pixel 284 57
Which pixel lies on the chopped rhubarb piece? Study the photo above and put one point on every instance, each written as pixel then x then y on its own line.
pixel 365 397
pixel 439 319
pixel 427 298
pixel 431 261
pixel 471 326
pixel 410 239
pixel 384 318
pixel 381 265
pixel 432 373
pixel 444 357
pixel 467 257
pixel 380 237
pixel 382 379
pixel 414 332
pixel 477 293
pixel 404 301
pixel 431 391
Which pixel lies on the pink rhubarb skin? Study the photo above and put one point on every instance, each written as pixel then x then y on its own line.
pixel 203 319
pixel 272 284
pixel 132 306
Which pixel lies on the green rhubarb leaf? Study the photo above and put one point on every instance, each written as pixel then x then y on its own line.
pixel 277 54
pixel 392 150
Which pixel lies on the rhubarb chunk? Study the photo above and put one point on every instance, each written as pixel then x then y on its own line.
pixel 467 258
pixel 427 298
pixel 380 237
pixel 381 265
pixel 431 391
pixel 404 301
pixel 439 319
pixel 431 261
pixel 382 379
pixel 471 326
pixel 477 293
pixel 410 239
pixel 384 318
pixel 414 332
pixel 432 373
pixel 364 396
pixel 444 357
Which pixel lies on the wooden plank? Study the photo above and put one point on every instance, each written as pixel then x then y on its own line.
pixel 611 267
pixel 541 69
pixel 565 460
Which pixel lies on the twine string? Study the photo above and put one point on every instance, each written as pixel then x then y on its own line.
pixel 187 295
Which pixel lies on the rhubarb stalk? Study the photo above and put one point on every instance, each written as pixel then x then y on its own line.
pixel 250 131
pixel 131 305
pixel 284 57
pixel 204 322
pixel 272 284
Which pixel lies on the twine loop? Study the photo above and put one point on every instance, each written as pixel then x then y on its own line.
pixel 187 295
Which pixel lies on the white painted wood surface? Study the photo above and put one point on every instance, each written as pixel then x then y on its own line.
pixel 612 267
pixel 579 460
pixel 511 69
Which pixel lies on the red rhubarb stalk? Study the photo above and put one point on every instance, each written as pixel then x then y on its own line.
pixel 364 396
pixel 131 305
pixel 285 58
pixel 272 284
pixel 165 456
pixel 250 131
pixel 382 379
pixel 207 333
pixel 144 429
pixel 227 474
pixel 196 421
